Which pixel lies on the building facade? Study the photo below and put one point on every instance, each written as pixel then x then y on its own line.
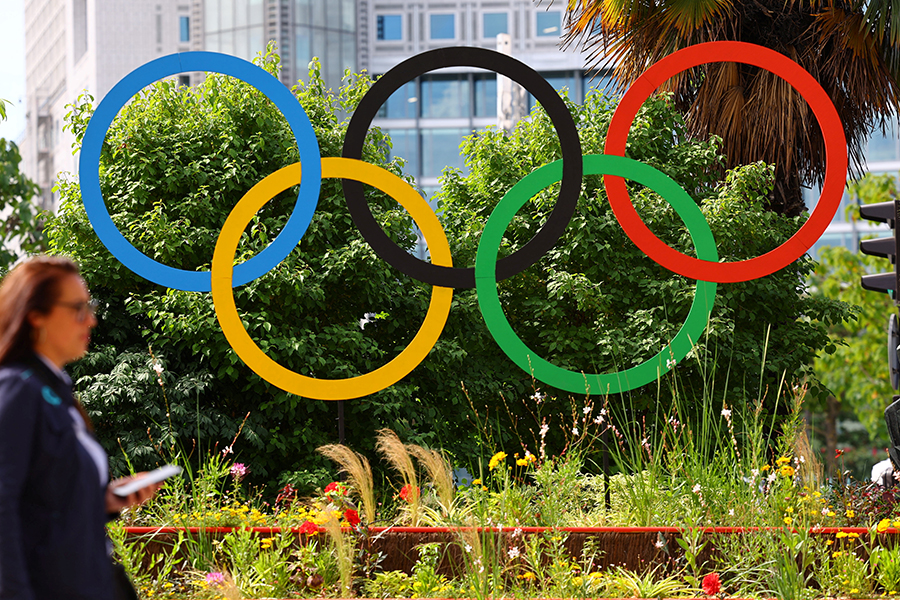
pixel 72 46
pixel 301 29
pixel 428 117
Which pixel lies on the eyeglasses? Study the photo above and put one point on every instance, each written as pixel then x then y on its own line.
pixel 83 309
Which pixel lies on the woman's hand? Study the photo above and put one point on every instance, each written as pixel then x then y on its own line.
pixel 116 503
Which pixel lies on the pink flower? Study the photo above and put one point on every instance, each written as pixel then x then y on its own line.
pixel 711 585
pixel 239 471
pixel 352 517
pixel 309 528
pixel 215 578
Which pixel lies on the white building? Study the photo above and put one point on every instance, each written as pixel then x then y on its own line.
pixel 77 45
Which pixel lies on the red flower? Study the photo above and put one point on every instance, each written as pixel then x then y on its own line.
pixel 838 453
pixel 409 493
pixel 336 486
pixel 711 585
pixel 309 528
pixel 352 517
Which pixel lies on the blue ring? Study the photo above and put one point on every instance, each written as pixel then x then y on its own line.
pixel 134 82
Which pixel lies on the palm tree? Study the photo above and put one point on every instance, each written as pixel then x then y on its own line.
pixel 851 48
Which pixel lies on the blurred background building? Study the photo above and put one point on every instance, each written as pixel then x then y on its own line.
pixel 77 45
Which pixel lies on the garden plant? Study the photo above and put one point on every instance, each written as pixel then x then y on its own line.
pixel 717 442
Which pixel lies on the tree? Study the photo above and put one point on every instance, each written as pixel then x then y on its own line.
pixel 597 304
pixel 174 163
pixel 857 371
pixel 851 48
pixel 21 218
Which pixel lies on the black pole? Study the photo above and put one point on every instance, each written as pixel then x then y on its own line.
pixel 341 437
pixel 605 437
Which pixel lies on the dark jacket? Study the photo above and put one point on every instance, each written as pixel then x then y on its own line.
pixel 52 506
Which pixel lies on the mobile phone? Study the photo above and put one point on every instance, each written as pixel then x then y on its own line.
pixel 154 476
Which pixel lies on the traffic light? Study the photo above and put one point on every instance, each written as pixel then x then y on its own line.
pixel 883 212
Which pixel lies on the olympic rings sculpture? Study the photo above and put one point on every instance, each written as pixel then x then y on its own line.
pixel 440 273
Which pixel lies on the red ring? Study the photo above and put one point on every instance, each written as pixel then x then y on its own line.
pixel 835 153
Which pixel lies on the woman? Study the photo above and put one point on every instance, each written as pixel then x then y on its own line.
pixel 55 496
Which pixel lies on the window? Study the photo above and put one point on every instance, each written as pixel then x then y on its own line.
pixel 443 27
pixel 562 81
pixel 602 83
pixel 184 80
pixel 445 96
pixel 882 145
pixel 486 95
pixel 79 33
pixel 493 24
pixel 389 27
pixel 184 29
pixel 440 149
pixel 549 24
pixel 405 145
pixel 401 104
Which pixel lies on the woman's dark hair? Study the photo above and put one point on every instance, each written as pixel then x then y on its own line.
pixel 32 285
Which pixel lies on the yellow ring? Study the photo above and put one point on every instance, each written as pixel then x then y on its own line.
pixel 246 348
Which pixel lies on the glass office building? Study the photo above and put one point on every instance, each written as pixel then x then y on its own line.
pixel 302 29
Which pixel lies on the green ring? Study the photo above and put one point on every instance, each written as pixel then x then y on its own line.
pixel 525 357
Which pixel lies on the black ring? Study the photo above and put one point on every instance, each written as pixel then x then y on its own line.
pixel 467 56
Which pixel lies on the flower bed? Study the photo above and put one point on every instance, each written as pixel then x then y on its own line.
pixel 632 548
pixel 616 549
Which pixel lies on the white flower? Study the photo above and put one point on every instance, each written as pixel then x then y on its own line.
pixel 598 420
pixel 726 413
pixel 538 397
pixel 670 363
pixel 825 510
pixel 517 532
pixel 368 317
pixel 696 489
pixel 660 543
pixel 513 553
pixel 544 429
pixel 158 368
pixel 771 477
pixel 586 410
pixel 574 431
pixel 468 548
pixel 801 459
pixel 730 512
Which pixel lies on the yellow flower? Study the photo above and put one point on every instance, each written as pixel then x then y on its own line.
pixel 765 468
pixel 849 513
pixel 476 482
pixel 829 542
pixel 883 525
pixel 852 536
pixel 522 462
pixel 836 554
pixel 783 460
pixel 841 534
pixel 266 543
pixel 789 509
pixel 527 575
pixel 788 521
pixel 495 460
pixel 786 471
